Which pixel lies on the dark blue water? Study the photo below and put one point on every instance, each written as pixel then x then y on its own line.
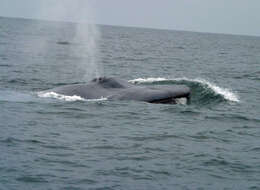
pixel 60 143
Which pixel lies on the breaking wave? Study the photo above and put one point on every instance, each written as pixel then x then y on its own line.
pixel 201 88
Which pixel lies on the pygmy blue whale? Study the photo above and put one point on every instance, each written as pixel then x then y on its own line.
pixel 118 89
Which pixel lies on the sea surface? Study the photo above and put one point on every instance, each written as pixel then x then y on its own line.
pixel 50 141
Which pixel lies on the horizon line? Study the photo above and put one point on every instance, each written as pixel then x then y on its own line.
pixel 132 26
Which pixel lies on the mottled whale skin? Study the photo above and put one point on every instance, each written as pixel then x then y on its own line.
pixel 118 89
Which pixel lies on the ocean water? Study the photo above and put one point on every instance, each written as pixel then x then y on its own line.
pixel 49 141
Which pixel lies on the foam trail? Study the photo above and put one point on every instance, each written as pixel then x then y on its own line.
pixel 224 92
pixel 15 96
pixel 66 98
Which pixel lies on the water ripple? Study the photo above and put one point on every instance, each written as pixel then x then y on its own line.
pixel 32 179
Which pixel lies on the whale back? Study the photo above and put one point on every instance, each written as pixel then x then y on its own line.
pixel 111 82
pixel 118 89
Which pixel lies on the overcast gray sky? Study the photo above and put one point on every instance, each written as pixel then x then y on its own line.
pixel 220 16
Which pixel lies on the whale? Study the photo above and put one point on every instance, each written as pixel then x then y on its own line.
pixel 114 88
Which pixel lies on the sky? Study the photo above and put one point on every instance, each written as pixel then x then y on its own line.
pixel 214 16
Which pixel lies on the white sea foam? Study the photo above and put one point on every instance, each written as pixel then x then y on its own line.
pixel 59 96
pixel 182 101
pixel 66 98
pixel 224 92
pixel 148 80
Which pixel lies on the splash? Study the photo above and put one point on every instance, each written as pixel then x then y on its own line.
pixel 227 94
pixel 66 98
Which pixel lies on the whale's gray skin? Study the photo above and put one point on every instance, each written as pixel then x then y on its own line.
pixel 118 89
